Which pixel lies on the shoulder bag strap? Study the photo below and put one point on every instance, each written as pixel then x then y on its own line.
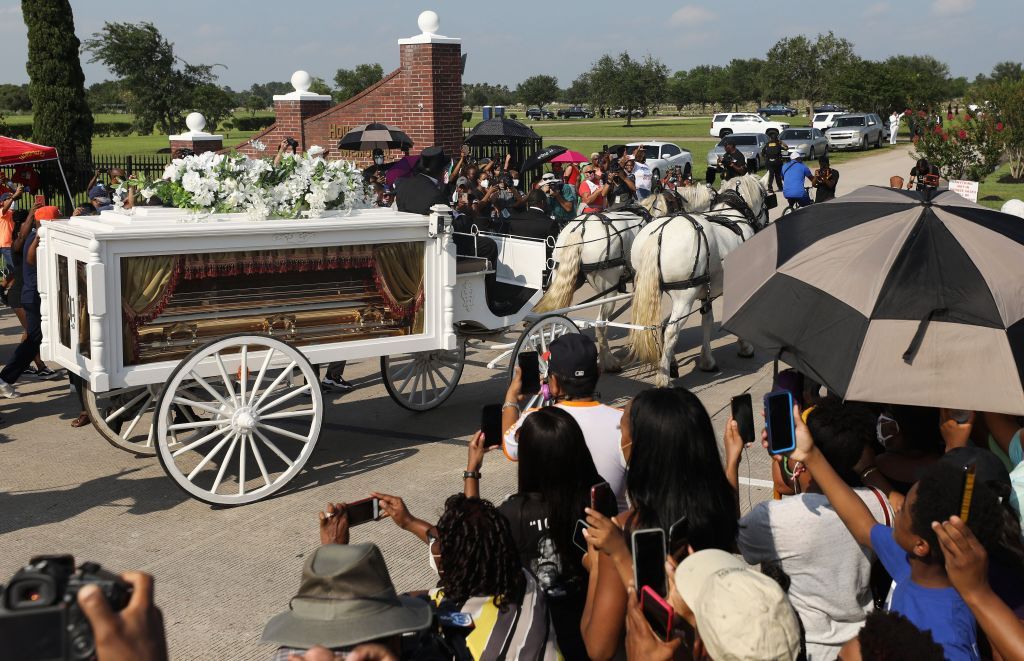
pixel 884 502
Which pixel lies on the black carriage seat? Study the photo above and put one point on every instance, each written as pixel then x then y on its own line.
pixel 465 264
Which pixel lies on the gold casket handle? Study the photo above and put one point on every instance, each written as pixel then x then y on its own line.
pixel 286 321
pixel 181 328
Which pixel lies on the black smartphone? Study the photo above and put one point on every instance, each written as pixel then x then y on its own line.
pixel 743 414
pixel 778 408
pixel 649 559
pixel 490 424
pixel 577 535
pixel 362 511
pixel 679 539
pixel 529 369
pixel 602 499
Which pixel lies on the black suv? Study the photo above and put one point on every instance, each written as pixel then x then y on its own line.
pixel 777 109
pixel 539 113
pixel 575 112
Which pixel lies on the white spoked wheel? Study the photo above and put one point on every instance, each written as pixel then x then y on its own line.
pixel 257 421
pixel 538 336
pixel 422 381
pixel 124 417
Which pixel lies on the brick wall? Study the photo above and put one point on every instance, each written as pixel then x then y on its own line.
pixel 423 98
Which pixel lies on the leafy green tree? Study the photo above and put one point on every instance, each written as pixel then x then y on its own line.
pixel 320 86
pixel 632 84
pixel 925 80
pixel 703 81
pixel 537 90
pixel 967 147
pixel 349 82
pixel 267 91
pixel 15 98
pixel 215 104
pixel 254 103
pixel 579 91
pixel 62 118
pixel 106 96
pixel 159 86
pixel 798 67
pixel 1011 71
pixel 480 94
pixel 745 77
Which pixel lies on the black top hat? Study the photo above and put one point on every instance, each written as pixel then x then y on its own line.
pixel 432 161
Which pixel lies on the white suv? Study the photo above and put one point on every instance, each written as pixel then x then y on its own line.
pixel 823 120
pixel 726 123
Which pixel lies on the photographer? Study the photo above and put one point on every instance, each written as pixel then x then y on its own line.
pixel 620 177
pixel 642 175
pixel 594 190
pixel 562 199
pixel 288 144
pixel 732 163
pixel 137 632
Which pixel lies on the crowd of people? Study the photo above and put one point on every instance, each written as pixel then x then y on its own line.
pixel 868 550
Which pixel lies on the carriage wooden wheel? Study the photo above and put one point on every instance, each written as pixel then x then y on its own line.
pixel 422 381
pixel 258 417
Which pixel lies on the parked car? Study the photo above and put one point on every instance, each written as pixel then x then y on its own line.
pixel 824 120
pixel 539 113
pixel 777 109
pixel 725 123
pixel 829 107
pixel 664 155
pixel 575 112
pixel 636 112
pixel 749 144
pixel 808 142
pixel 856 131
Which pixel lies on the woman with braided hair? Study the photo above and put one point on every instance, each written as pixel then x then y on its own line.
pixel 481 575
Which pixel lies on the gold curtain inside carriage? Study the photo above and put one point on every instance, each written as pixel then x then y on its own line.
pixel 173 303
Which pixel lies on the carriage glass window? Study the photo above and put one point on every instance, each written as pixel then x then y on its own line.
pixel 82 312
pixel 849 121
pixel 63 302
pixel 173 304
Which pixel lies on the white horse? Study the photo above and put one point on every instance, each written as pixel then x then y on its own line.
pixel 601 248
pixel 682 256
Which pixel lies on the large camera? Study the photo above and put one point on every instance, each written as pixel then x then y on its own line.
pixel 292 142
pixel 39 614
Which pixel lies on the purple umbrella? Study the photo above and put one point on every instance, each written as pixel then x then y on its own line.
pixel 403 167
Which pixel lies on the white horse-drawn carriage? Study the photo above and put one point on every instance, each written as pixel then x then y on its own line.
pixel 196 338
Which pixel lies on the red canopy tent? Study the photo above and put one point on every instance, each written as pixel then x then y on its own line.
pixel 20 152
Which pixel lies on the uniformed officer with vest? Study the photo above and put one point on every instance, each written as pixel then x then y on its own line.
pixel 773 152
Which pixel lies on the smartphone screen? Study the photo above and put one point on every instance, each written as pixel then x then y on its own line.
pixel 781 428
pixel 649 559
pixel 577 536
pixel 490 424
pixel 743 414
pixel 529 368
pixel 679 539
pixel 658 613
pixel 362 511
pixel 602 499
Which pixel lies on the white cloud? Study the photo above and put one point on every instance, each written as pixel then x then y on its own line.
pixel 691 15
pixel 877 10
pixel 950 7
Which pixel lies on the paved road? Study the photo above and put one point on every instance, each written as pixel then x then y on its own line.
pixel 222 573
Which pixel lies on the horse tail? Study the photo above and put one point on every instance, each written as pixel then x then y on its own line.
pixel 569 250
pixel 645 344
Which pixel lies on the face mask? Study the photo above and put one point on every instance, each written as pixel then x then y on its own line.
pixel 378 160
pixel 483 183
pixel 431 560
pixel 884 420
pixel 515 182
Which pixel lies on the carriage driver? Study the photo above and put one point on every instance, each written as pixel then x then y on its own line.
pixel 424 188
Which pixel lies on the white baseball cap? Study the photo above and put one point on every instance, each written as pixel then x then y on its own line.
pixel 793 154
pixel 741 613
pixel 548 177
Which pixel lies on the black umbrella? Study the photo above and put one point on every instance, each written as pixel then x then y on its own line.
pixel 543 156
pixel 889 296
pixel 374 136
pixel 499 128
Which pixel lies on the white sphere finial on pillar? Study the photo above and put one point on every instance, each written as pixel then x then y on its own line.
pixel 428 22
pixel 195 122
pixel 302 81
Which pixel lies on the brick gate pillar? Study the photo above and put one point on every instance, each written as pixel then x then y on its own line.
pixel 431 66
pixel 196 138
pixel 293 109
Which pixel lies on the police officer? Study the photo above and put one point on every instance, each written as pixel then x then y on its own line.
pixel 772 152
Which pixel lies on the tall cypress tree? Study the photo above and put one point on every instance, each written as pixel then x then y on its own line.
pixel 62 118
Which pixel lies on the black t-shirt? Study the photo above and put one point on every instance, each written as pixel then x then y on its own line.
pixel 920 176
pixel 826 186
pixel 773 151
pixel 727 161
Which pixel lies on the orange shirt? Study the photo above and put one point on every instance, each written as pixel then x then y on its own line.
pixel 7 229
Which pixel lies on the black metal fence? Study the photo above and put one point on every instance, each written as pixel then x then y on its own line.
pixel 51 186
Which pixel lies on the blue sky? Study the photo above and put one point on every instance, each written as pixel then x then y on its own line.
pixel 262 40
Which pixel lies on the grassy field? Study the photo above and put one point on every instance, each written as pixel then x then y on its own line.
pixel 996 189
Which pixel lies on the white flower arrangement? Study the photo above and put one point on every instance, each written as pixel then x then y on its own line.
pixel 299 186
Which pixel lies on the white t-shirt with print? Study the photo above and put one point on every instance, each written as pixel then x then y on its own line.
pixel 642 175
pixel 600 425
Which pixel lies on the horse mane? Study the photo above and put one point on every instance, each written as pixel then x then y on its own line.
pixel 697 198
pixel 749 188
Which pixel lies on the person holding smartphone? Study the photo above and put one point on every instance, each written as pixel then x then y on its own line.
pixel 7 201
pixel 804 536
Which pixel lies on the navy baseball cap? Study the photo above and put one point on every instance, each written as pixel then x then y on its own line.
pixel 573 355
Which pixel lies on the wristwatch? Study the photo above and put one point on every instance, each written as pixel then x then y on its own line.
pixel 471 474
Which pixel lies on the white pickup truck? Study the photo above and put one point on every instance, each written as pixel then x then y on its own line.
pixel 727 123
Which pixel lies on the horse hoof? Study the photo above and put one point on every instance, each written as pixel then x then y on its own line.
pixel 745 354
pixel 707 367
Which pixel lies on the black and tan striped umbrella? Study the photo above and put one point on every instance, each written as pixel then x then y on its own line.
pixel 884 296
pixel 374 136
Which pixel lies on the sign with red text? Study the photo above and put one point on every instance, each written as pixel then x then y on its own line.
pixel 966 189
